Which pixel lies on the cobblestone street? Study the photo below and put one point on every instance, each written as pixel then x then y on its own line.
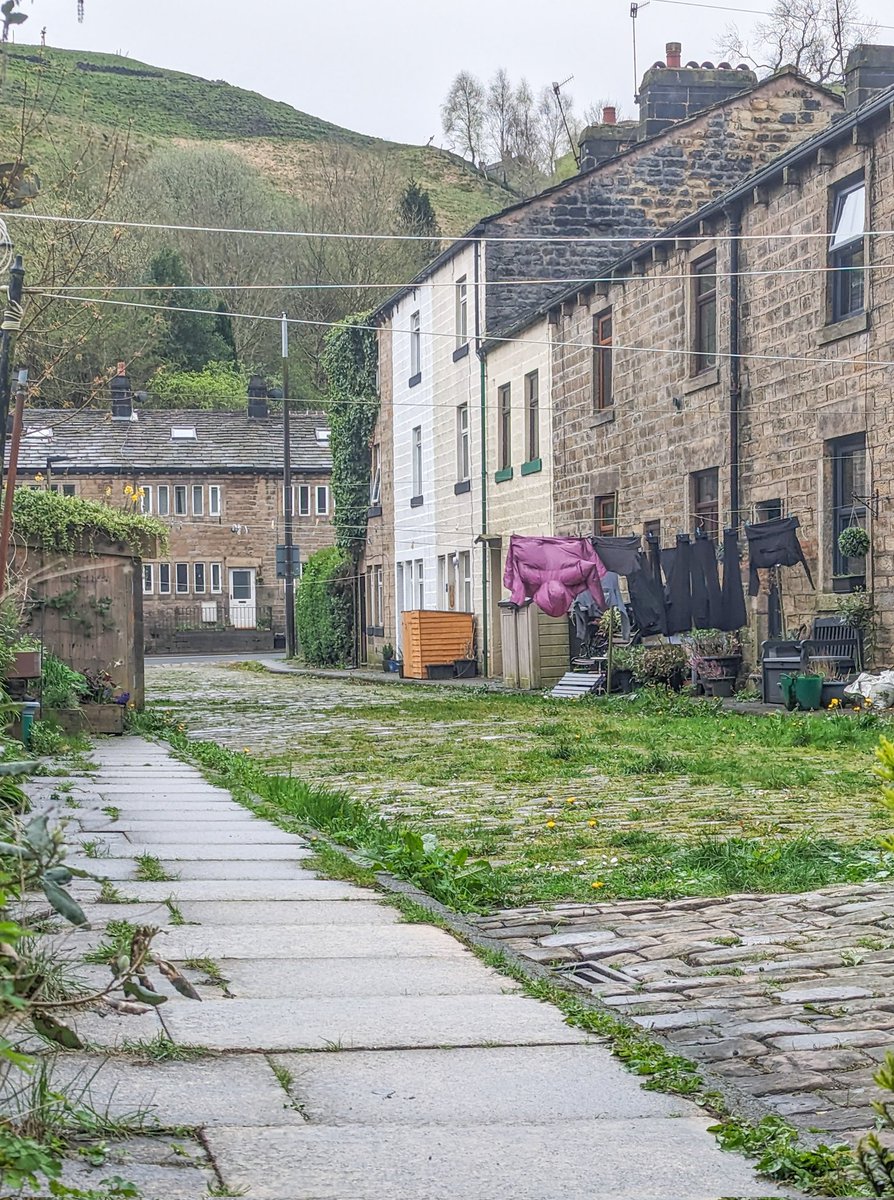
pixel 787 999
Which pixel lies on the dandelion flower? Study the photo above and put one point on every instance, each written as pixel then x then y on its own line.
pixel 550 824
pixel 592 824
pixel 128 491
pixel 597 884
pixel 571 800
pixel 246 750
pixel 38 478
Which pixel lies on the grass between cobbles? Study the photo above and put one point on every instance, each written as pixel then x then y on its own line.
pixel 819 1170
pixel 652 797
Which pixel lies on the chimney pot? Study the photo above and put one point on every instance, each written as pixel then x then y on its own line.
pixel 122 396
pixel 257 397
pixel 609 115
pixel 672 52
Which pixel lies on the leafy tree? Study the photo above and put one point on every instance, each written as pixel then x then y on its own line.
pixel 188 340
pixel 462 115
pixel 416 212
pixel 812 35
pixel 217 385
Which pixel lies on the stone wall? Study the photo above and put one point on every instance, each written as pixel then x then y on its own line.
pixel 644 190
pixel 805 381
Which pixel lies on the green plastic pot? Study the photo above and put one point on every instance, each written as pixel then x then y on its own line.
pixel 809 691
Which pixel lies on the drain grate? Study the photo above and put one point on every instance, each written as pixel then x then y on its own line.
pixel 597 975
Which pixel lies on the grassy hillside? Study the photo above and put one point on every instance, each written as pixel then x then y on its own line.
pixel 158 105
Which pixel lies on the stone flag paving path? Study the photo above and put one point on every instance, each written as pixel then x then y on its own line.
pixel 347 1055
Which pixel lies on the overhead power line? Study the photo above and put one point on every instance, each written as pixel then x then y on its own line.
pixel 587 345
pixel 754 12
pixel 640 239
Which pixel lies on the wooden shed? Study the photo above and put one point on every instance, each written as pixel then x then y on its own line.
pixel 536 647
pixel 431 637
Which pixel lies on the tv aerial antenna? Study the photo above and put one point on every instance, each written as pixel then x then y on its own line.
pixel 557 92
pixel 634 13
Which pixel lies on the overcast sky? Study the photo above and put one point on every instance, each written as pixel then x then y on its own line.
pixel 383 68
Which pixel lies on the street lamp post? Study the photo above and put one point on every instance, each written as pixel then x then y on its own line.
pixel 287 494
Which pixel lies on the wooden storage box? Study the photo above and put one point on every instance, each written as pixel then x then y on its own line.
pixel 434 637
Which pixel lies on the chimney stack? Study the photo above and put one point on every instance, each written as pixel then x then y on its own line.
pixel 122 396
pixel 609 115
pixel 671 92
pixel 868 71
pixel 257 397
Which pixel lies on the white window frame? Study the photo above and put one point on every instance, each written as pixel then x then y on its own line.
pixel 462 311
pixel 215 571
pixel 146 500
pixel 180 489
pixel 163 500
pixel 416 452
pixel 375 476
pixel 198 567
pixel 164 579
pixel 415 345
pixel 197 492
pixel 324 511
pixel 464 581
pixel 420 581
pixel 215 500
pixel 148 578
pixel 463 457
pixel 379 579
pixel 178 590
pixel 302 509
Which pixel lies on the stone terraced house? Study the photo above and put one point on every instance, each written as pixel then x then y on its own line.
pixel 463 449
pixel 216 479
pixel 746 373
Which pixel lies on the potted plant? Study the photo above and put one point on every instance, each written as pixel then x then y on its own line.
pixel 26 660
pixel 389 662
pixel 853 542
pixel 808 691
pixel 834 679
pixel 624 664
pixel 104 704
pixel 716 645
pixel 710 674
pixel 664 665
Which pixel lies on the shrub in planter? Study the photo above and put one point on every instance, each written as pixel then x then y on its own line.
pixel 324 608
pixel 60 686
pixel 853 542
pixel 662 664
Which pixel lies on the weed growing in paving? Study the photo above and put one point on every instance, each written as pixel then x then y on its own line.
pixel 211 968
pixel 334 864
pixel 175 913
pixel 109 893
pixel 117 941
pixel 95 848
pixel 112 812
pixel 162 1049
pixel 150 870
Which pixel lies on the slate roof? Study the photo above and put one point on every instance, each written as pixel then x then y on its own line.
pixel 846 126
pixel 89 441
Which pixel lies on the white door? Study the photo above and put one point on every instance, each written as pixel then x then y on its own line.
pixel 243 610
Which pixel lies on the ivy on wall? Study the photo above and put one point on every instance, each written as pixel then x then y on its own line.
pixel 350 357
pixel 56 522
pixel 324 608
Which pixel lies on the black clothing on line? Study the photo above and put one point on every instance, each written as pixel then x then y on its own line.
pixel 707 613
pixel 774 543
pixel 677 568
pixel 647 601
pixel 619 554
pixel 733 613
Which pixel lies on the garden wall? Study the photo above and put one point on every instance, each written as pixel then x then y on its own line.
pixel 87 608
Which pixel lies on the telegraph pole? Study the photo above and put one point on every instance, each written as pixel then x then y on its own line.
pixel 9 327
pixel 287 493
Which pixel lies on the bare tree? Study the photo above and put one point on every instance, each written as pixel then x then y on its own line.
pixel 812 35
pixel 500 117
pixel 462 115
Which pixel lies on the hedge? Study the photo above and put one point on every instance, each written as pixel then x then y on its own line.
pixel 324 608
